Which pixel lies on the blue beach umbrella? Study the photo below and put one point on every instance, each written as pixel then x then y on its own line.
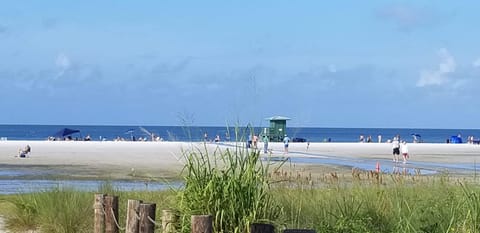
pixel 130 131
pixel 416 137
pixel 66 132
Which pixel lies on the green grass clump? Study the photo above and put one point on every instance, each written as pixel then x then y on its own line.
pixel 421 207
pixel 435 205
pixel 60 210
pixel 232 186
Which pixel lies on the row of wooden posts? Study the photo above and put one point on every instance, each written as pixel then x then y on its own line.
pixel 141 219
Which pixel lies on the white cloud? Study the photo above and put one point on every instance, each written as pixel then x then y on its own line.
pixel 408 17
pixel 438 76
pixel 63 64
pixel 476 63
pixel 332 68
pixel 62 61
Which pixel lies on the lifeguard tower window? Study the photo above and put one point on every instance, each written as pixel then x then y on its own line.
pixel 278 128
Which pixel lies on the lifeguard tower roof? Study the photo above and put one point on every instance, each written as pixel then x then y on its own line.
pixel 277 118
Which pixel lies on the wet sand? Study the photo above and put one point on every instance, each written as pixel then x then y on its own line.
pixel 120 160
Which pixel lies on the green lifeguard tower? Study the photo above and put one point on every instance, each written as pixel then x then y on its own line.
pixel 278 128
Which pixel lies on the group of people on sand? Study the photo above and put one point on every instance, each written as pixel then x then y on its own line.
pixel 369 138
pixel 216 139
pixel 398 148
pixel 252 142
pixel 471 140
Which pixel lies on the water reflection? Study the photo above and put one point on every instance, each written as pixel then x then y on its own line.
pixel 403 170
pixel 14 186
pixel 386 165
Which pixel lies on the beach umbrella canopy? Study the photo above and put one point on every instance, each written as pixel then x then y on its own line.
pixel 65 132
pixel 130 131
pixel 416 135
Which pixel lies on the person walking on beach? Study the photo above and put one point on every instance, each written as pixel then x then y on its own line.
pixel 405 151
pixel 265 144
pixel 286 140
pixel 396 149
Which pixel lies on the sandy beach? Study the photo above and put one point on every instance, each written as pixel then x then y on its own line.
pixel 157 160
pixel 118 160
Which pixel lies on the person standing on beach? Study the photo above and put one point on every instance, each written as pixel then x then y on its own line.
pixel 405 151
pixel 286 140
pixel 265 144
pixel 396 149
pixel 362 138
pixel 379 138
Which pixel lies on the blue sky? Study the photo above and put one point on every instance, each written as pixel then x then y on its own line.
pixel 323 63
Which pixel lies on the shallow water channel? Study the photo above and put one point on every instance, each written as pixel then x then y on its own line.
pixel 12 180
pixel 13 186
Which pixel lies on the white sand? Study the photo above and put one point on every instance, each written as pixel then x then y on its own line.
pixel 163 158
pixel 425 152
pixel 96 156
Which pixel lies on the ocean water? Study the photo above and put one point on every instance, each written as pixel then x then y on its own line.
pixel 196 133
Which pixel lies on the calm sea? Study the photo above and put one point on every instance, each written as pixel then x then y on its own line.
pixel 196 133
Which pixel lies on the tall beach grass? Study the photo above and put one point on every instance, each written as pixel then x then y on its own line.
pixel 230 185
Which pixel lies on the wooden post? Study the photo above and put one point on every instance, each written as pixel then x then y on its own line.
pixel 132 222
pixel 202 224
pixel 99 217
pixel 169 219
pixel 261 228
pixel 146 211
pixel 111 214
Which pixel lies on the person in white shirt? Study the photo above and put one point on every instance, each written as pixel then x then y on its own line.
pixel 286 140
pixel 405 151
